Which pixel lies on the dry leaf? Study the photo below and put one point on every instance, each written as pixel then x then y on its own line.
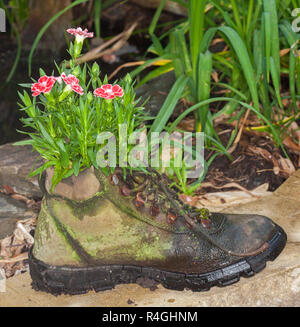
pixel 8 190
pixel 215 76
pixel 288 142
pixel 20 257
pixel 190 200
pixel 283 52
pixel 14 248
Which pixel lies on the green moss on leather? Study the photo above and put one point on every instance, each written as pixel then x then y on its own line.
pixel 107 233
pixel 50 244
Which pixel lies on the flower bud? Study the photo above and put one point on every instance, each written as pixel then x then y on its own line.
pixel 128 79
pixel 76 71
pixel 95 69
pixel 66 91
pixel 89 97
pixel 77 48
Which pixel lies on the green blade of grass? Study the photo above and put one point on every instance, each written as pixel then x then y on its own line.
pixel 244 59
pixel 176 54
pixel 97 14
pixel 207 38
pixel 156 17
pixel 271 8
pixel 225 15
pixel 254 19
pixel 246 105
pixel 237 17
pixel 204 70
pixel 196 24
pixel 276 81
pixel 155 73
pixel 291 37
pixel 169 105
pixel 249 16
pixel 18 55
pixel 267 39
pixel 231 88
pixel 156 46
pixel 258 54
pixel 179 49
pixel 148 63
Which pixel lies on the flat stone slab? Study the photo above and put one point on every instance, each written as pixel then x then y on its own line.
pixel 10 211
pixel 290 189
pixel 10 207
pixel 16 163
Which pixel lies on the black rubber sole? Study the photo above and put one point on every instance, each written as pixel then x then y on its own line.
pixel 68 280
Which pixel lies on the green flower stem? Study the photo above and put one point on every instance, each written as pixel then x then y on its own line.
pixel 66 91
pixel 109 105
pixel 52 131
pixel 77 48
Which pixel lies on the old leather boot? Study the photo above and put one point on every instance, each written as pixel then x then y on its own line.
pixel 94 232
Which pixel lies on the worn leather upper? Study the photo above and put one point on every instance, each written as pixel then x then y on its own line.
pixel 109 228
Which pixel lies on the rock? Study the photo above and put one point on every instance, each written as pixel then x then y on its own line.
pixel 40 12
pixel 15 164
pixel 10 207
pixel 10 211
pixel 171 6
pixel 290 188
pixel 158 90
pixel 7 227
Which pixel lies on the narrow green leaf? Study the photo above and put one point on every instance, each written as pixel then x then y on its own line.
pixel 237 17
pixel 244 59
pixel 276 81
pixel 169 105
pixel 155 73
pixel 267 29
pixel 24 142
pixel 270 7
pixel 204 71
pixel 156 16
pixel 196 25
pixel 46 135
pixel 97 14
pixel 158 48
pixel 76 166
pixel 246 105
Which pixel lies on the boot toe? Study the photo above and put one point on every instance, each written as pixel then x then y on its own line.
pixel 246 233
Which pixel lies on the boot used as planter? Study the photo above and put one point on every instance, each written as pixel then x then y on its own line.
pixel 95 232
pixel 100 226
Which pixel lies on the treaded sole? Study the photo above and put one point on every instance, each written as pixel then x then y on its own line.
pixel 69 280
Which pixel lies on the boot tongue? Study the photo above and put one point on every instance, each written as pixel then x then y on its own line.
pixel 78 188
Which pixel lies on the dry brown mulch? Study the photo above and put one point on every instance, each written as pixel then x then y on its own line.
pixel 255 161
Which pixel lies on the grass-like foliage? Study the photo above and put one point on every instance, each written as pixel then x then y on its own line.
pixel 258 36
pixel 65 119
